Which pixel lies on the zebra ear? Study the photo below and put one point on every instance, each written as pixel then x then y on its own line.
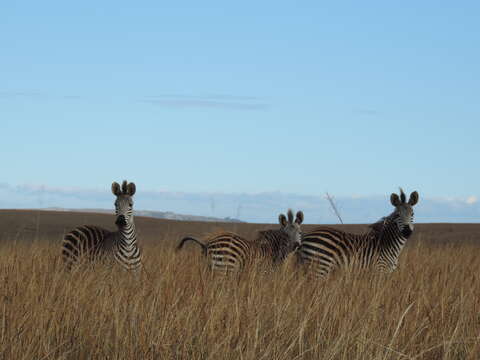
pixel 116 189
pixel 299 218
pixel 395 200
pixel 413 198
pixel 131 188
pixel 282 220
pixel 290 216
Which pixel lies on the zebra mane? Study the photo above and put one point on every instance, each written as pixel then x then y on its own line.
pixel 377 228
pixel 270 237
pixel 124 187
pixel 264 234
pixel 274 242
pixel 379 225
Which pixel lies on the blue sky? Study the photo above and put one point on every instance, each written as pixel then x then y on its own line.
pixel 354 98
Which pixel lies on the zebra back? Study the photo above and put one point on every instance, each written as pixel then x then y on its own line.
pixel 324 248
pixel 227 251
pixel 84 243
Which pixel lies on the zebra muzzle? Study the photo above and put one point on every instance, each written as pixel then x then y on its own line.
pixel 406 231
pixel 121 221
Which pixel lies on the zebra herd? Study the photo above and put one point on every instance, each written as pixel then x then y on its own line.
pixel 228 251
pixel 321 250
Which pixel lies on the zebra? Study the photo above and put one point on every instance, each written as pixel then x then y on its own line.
pixel 279 243
pixel 89 242
pixel 227 251
pixel 325 249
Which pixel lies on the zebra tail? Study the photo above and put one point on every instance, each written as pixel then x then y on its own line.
pixel 189 238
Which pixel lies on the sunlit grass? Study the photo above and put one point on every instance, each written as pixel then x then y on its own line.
pixel 428 309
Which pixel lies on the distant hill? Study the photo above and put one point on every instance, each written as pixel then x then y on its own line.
pixel 155 214
pixel 40 225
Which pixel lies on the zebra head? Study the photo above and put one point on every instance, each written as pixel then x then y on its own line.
pixel 292 228
pixel 123 203
pixel 403 214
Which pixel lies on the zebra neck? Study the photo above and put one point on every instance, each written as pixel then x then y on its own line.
pixel 276 243
pixel 127 236
pixel 390 241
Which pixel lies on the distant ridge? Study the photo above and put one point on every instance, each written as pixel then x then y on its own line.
pixel 154 214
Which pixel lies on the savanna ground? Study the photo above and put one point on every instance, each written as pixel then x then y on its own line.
pixel 428 309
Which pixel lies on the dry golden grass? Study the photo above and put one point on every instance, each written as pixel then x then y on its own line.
pixel 429 309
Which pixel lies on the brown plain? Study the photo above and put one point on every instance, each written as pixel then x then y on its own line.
pixel 428 309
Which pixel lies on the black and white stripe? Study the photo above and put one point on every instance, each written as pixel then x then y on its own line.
pixel 276 245
pixel 227 251
pixel 92 242
pixel 325 249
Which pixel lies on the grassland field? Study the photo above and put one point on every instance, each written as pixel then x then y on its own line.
pixel 176 309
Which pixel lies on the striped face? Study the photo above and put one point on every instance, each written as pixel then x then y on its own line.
pixel 292 228
pixel 403 214
pixel 124 210
pixel 294 234
pixel 404 219
pixel 124 203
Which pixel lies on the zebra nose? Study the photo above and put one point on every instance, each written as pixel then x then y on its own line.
pixel 121 221
pixel 406 231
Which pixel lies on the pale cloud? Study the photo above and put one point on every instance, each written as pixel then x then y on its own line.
pixel 259 207
pixel 471 200
pixel 218 101
pixel 184 104
pixel 21 94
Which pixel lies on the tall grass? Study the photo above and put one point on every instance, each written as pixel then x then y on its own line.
pixel 428 309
